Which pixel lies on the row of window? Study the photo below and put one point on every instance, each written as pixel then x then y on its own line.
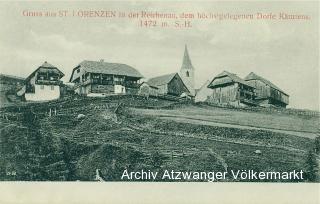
pixel 51 87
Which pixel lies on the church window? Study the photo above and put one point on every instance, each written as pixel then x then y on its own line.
pixel 187 74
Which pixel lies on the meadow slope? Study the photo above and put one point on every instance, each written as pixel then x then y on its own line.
pixel 133 133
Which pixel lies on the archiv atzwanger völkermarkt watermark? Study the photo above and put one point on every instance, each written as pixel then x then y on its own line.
pixel 211 176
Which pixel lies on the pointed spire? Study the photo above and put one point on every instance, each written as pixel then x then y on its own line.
pixel 186 63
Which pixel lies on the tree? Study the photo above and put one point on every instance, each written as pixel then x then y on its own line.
pixel 317 145
pixel 312 167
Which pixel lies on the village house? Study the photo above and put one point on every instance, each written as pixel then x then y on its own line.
pixel 229 89
pixel 99 78
pixel 43 84
pixel 267 94
pixel 169 84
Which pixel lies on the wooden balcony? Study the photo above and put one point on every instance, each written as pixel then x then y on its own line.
pixel 48 82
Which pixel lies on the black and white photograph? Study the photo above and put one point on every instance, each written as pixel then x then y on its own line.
pixel 160 92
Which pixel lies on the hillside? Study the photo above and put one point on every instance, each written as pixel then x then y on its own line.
pixel 9 85
pixel 70 139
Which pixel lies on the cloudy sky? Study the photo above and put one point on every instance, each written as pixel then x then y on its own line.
pixel 283 51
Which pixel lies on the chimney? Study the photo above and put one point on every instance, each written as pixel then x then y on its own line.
pixel 101 60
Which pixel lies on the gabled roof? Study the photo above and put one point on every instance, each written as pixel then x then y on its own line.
pixel 186 62
pixel 148 85
pixel 108 68
pixel 253 76
pixel 161 80
pixel 46 67
pixel 233 78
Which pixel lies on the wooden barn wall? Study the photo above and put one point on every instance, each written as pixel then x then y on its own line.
pixel 262 90
pixel 95 88
pixel 279 96
pixel 265 91
pixel 176 86
pixel 132 91
pixel 224 94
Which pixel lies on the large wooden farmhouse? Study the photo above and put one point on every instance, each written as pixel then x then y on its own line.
pixel 43 84
pixel 267 94
pixel 99 78
pixel 229 89
pixel 170 84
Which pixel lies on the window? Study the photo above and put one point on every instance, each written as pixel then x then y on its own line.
pixel 78 70
pixel 52 87
pixel 41 86
pixel 187 73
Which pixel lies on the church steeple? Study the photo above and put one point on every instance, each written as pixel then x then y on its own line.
pixel 187 71
pixel 186 62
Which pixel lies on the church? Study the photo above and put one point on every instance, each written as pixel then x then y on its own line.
pixel 178 83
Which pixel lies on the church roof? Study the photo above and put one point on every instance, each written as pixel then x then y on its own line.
pixel 186 62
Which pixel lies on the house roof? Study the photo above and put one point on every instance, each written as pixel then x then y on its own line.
pixel 148 85
pixel 46 67
pixel 109 68
pixel 161 80
pixel 186 62
pixel 253 76
pixel 233 78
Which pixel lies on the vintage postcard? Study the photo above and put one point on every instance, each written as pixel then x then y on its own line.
pixel 160 95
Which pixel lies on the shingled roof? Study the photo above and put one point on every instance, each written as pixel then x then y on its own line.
pixel 253 76
pixel 109 68
pixel 233 78
pixel 161 80
pixel 46 67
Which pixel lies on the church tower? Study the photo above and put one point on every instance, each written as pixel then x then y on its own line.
pixel 187 72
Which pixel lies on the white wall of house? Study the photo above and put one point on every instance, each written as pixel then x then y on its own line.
pixel 44 93
pixel 119 89
pixel 203 93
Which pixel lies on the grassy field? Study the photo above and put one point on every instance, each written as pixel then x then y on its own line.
pixel 145 134
pixel 303 125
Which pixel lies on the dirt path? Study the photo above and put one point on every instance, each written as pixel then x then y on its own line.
pixel 219 124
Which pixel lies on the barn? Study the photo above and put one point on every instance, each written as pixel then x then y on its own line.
pixel 99 78
pixel 43 84
pixel 169 84
pixel 229 89
pixel 267 94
